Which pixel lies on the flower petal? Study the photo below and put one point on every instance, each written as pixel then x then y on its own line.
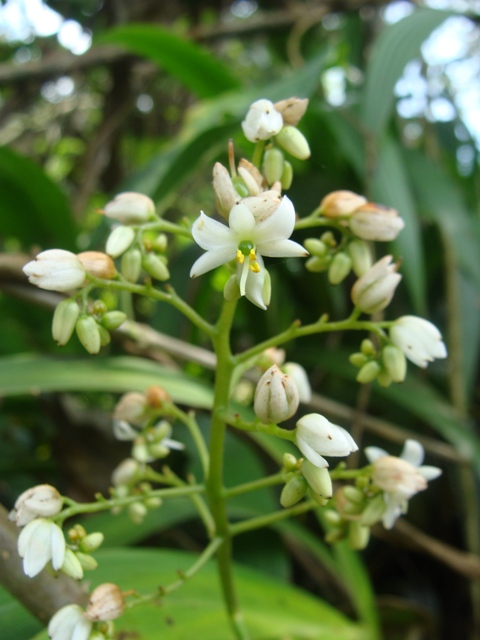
pixel 394 510
pixel 279 225
pixel 429 472
pixel 241 222
pixel 310 453
pixel 413 453
pixel 39 551
pixel 211 234
pixel 374 453
pixel 57 542
pixel 282 249
pixel 213 259
pixel 254 285
pixel 26 535
pixel 63 623
pixel 82 629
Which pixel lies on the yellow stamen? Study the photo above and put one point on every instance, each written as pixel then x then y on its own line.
pixel 252 255
pixel 240 257
pixel 255 267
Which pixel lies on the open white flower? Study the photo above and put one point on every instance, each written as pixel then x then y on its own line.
pixel 69 623
pixel 38 543
pixel 246 241
pixel 316 437
pixel 42 500
pixel 262 121
pixel 419 339
pixel 399 478
pixel 55 270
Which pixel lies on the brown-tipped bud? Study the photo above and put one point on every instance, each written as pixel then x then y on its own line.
pixel 292 109
pixel 131 407
pixel 340 203
pixel 98 264
pixel 225 194
pixel 375 222
pixel 106 603
pixel 294 142
pixel 276 396
pixel 157 396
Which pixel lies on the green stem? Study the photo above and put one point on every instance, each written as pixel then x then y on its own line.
pixel 258 427
pixel 265 521
pixel 189 421
pixel 254 485
pixel 215 488
pixel 258 153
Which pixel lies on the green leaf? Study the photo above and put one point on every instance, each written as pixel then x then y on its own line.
pixel 191 64
pixel 32 207
pixel 397 44
pixel 272 610
pixel 25 374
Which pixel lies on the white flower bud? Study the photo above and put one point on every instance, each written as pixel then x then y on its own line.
pixel 88 334
pixel 98 264
pixel 276 396
pixel 69 623
pixel 125 472
pixel 340 204
pixel 292 109
pixel 72 566
pixel 262 121
pixel 119 240
pixel 225 195
pixel 131 407
pixel 293 491
pixel 299 376
pixel 130 208
pixel 87 561
pixel 419 339
pixel 55 270
pixel 294 142
pixel 374 290
pixel 358 535
pixel 316 436
pixel 40 542
pixel 375 222
pixel 106 603
pixel 137 512
pixel 42 500
pixel 318 479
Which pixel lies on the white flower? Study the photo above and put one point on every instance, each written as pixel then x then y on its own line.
pixel 246 240
pixel 38 543
pixel 42 500
pixel 130 208
pixel 55 270
pixel 373 221
pixel 69 623
pixel 317 437
pixel 262 121
pixel 374 290
pixel 399 478
pixel 419 340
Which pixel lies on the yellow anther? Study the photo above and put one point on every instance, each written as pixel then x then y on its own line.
pixel 252 255
pixel 255 267
pixel 240 257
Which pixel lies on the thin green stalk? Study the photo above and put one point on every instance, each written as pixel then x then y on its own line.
pixel 189 421
pixel 255 485
pixel 264 521
pixel 258 427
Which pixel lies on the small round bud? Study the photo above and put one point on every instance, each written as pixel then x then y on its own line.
pixel 339 268
pixel 137 512
pixel 119 240
pixel 368 372
pixel 289 461
pixel 98 264
pixel 132 265
pixel 92 542
pixel 131 408
pixel 155 267
pixel 339 204
pixel 106 603
pixel 105 337
pixel 353 494
pixel 293 491
pixel 99 308
pixel 333 517
pixel 368 348
pixel 394 362
pixel 358 359
pixel 126 472
pixel 329 239
pixel 113 319
pixel 294 142
pixel 64 320
pixel 276 396
pixel 273 165
pixel 88 333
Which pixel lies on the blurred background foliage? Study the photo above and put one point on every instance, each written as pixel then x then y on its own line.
pixel 101 97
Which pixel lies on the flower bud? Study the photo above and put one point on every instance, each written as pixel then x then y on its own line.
pixel 99 308
pixel 76 533
pixel 316 247
pixel 292 109
pixel 358 535
pixel 394 362
pixel 106 603
pixel 340 204
pixel 92 542
pixel 125 472
pixel 64 320
pixel 119 241
pixel 339 268
pixel 287 175
pixel 131 407
pixel 160 244
pixel 358 359
pixel 294 142
pixel 373 512
pixel 98 264
pixel 316 437
pixel 105 337
pixel 318 479
pixel 374 290
pixel 276 396
pixel 368 372
pixel 368 348
pixel 55 270
pixel 251 177
pixel 71 565
pixel 240 187
pixel 88 334
pixel 361 257
pixel 226 196
pixel 384 379
pixel 231 290
pixel 419 340
pixel 262 121
pixel 42 500
pixel 130 208
pixel 132 265
pixel 155 267
pixel 137 512
pixel 113 319
pixel 87 561
pixel 293 491
pixel 317 264
pixel 156 396
pixel 353 494
pixel 273 165
pixel 289 462
pixel 375 222
pixel 141 451
pixel 299 376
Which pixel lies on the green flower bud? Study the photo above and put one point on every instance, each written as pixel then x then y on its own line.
pixel 132 265
pixel 361 256
pixel 137 512
pixel 240 187
pixel 318 479
pixel 384 379
pixel 373 512
pixel 339 268
pixel 394 362
pixel 231 290
pixel 160 244
pixel 351 508
pixel 92 542
pixel 316 247
pixel 287 175
pixel 88 333
pixel 64 320
pixel 316 264
pixel 333 517
pixel 293 491
pixel 158 450
pixel 273 165
pixel 329 239
pixel 358 535
pixel 87 561
pixel 368 372
pixel 358 359
pixel 76 533
pixel 155 267
pixel 72 566
pixel 368 348
pixel 99 308
pixel 353 494
pixel 316 497
pixel 294 142
pixel 289 462
pixel 153 503
pixel 104 336
pixel 113 319
pixel 119 241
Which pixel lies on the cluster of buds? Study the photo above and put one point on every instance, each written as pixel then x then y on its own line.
pixel 302 478
pixel 78 551
pixel 386 365
pixel 72 622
